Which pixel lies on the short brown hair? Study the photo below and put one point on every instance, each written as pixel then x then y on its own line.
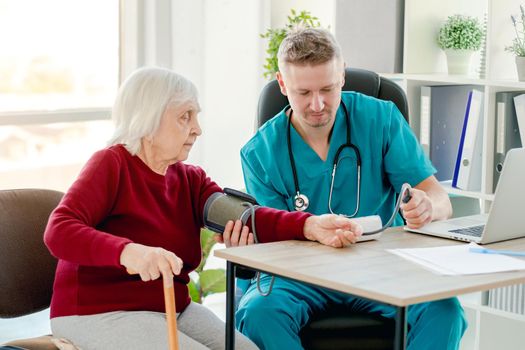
pixel 308 46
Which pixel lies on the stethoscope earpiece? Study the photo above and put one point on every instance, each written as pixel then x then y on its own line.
pixel 301 202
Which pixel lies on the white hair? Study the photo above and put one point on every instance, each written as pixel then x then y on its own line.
pixel 141 101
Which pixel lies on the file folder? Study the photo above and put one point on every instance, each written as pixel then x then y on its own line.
pixel 519 106
pixel 461 141
pixel 467 175
pixel 441 123
pixel 507 134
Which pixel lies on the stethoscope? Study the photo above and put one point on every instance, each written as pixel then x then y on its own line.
pixel 301 201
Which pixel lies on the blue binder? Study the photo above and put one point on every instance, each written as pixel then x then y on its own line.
pixel 462 141
pixel 442 117
pixel 467 174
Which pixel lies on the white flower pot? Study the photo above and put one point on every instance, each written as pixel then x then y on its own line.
pixel 520 66
pixel 458 61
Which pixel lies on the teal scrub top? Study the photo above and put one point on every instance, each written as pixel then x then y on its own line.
pixel 390 156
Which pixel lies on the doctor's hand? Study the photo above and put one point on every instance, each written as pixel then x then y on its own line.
pixel 235 235
pixel 150 262
pixel 332 230
pixel 418 211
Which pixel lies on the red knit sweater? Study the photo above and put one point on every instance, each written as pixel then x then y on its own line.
pixel 116 200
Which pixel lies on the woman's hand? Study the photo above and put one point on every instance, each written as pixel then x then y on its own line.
pixel 332 230
pixel 235 235
pixel 150 262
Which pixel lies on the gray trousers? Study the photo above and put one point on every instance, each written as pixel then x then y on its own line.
pixel 198 328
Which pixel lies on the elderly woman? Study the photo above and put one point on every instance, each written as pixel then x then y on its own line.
pixel 136 206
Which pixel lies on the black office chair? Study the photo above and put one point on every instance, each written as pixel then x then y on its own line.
pixel 338 328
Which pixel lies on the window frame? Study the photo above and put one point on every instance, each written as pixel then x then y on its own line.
pixel 56 116
pixel 129 40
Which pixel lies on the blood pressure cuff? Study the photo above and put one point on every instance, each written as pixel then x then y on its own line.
pixel 230 205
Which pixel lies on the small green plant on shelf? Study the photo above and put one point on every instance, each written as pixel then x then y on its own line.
pixel 205 282
pixel 518 43
pixel 460 32
pixel 276 35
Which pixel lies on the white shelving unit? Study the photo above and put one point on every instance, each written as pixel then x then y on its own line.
pixel 424 63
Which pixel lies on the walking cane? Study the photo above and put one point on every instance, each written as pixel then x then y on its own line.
pixel 171 312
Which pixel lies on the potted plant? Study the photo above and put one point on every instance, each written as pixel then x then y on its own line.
pixel 276 36
pixel 205 282
pixel 460 36
pixel 518 44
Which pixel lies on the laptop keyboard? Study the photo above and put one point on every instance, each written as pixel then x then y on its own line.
pixel 474 231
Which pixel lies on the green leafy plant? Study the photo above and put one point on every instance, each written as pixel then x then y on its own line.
pixel 276 36
pixel 518 44
pixel 205 282
pixel 460 33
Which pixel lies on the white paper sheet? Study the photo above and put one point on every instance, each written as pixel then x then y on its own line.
pixel 458 260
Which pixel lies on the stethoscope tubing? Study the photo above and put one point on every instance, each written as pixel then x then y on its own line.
pixel 301 201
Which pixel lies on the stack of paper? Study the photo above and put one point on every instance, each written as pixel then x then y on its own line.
pixel 458 260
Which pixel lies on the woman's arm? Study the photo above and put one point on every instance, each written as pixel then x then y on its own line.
pixel 70 233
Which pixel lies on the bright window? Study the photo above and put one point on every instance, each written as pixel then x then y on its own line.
pixel 48 155
pixel 59 71
pixel 58 54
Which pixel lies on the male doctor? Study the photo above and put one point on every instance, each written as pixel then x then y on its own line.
pixel 288 165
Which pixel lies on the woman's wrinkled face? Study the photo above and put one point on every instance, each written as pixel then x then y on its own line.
pixel 178 130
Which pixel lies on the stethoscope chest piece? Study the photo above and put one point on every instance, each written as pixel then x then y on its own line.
pixel 301 202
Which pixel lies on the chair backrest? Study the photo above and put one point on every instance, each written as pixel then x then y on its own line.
pixel 272 101
pixel 27 268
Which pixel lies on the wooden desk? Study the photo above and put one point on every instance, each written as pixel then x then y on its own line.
pixel 365 270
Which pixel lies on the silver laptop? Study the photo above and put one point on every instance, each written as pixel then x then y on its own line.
pixel 506 219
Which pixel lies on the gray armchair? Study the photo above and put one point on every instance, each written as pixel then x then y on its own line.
pixel 27 269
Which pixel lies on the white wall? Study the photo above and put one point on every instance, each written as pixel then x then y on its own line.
pixel 369 38
pixel 216 44
pixel 233 59
pixel 322 9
